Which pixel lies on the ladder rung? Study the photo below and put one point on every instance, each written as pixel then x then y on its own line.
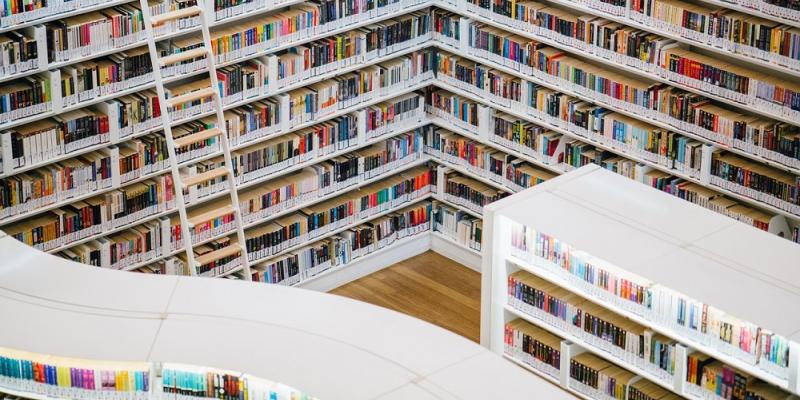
pixel 209 215
pixel 230 250
pixel 185 98
pixel 183 56
pixel 204 177
pixel 177 14
pixel 197 137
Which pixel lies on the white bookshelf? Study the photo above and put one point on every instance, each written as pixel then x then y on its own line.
pixel 403 357
pixel 651 239
pixel 247 14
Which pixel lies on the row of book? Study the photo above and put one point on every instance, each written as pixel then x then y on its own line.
pixel 708 376
pixel 25 97
pixel 320 218
pixel 84 81
pixel 90 33
pixel 388 115
pixel 587 374
pixel 565 311
pixel 326 97
pixel 345 247
pixel 18 53
pixel 648 142
pixel 714 327
pixel 576 154
pixel 301 21
pixel 92 215
pixel 767 93
pixel 483 160
pixel 187 381
pixel 596 377
pixel 58 377
pixel 78 177
pixel 121 71
pixel 470 193
pixel 331 176
pixel 571 157
pixel 83 219
pixel 683 110
pixel 734 31
pixel 651 143
pixel 458 225
pixel 700 113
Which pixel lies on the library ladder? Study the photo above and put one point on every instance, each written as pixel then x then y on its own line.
pixel 218 131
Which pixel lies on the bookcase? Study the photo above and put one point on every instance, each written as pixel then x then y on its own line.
pixel 320 101
pixel 613 290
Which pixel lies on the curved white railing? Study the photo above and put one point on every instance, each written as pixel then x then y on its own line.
pixel 327 346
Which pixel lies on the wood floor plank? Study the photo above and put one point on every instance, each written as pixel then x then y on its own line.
pixel 429 287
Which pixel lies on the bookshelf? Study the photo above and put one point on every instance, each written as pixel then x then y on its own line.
pixel 524 115
pixel 163 326
pixel 549 287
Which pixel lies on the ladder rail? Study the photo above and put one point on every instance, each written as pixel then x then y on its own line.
pixel 166 121
pixel 232 187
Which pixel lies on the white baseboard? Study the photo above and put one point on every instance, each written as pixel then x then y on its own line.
pixel 456 251
pixel 371 263
pixel 397 252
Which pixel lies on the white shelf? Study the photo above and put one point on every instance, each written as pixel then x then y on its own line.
pixel 530 118
pixel 592 349
pixel 629 69
pixel 344 228
pixel 421 4
pixel 278 214
pixel 564 88
pixel 654 236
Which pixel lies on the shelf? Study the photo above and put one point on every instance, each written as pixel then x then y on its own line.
pixel 592 349
pixel 372 19
pixel 535 161
pixel 442 199
pixel 674 172
pixel 652 239
pixel 344 228
pixel 233 148
pixel 629 69
pixel 278 214
pixel 751 369
pixel 58 16
pixel 473 175
pixel 317 281
pixel 751 11
pixel 564 88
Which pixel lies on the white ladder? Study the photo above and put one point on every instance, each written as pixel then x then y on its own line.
pixel 218 131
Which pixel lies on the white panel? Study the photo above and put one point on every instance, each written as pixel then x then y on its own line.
pixel 736 293
pixel 746 248
pixel 41 275
pixel 89 334
pixel 480 378
pixel 642 206
pixel 409 392
pixel 587 230
pixel 319 366
pixel 409 342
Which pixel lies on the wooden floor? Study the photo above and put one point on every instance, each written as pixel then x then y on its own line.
pixel 430 287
